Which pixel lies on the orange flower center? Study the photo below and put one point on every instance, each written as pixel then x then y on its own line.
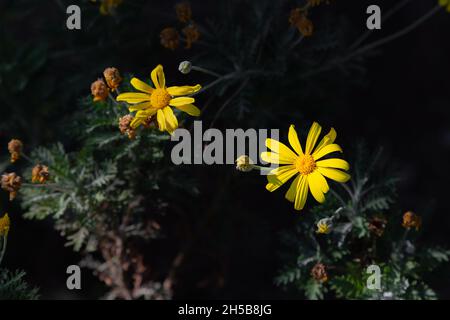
pixel 305 164
pixel 160 98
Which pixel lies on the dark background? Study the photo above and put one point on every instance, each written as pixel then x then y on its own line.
pixel 402 105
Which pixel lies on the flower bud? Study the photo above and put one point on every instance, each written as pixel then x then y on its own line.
pixel 15 148
pixel 4 225
pixel 99 90
pixel 324 226
pixel 185 67
pixel 244 164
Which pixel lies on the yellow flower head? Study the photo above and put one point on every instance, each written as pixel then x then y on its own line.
pixel 445 4
pixel 15 148
pixel 4 225
pixel 159 100
pixel 324 226
pixel 306 165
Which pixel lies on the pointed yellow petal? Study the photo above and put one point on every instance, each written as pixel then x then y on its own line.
pixel 326 150
pixel 140 106
pixel 141 85
pixel 158 78
pixel 133 97
pixel 183 90
pixel 181 101
pixel 313 135
pixel 135 123
pixel 329 138
pixel 294 141
pixel 277 180
pixel 281 148
pixel 275 158
pixel 317 185
pixel 171 120
pixel 333 163
pixel 145 113
pixel 290 194
pixel 302 193
pixel 190 109
pixel 334 174
pixel 161 120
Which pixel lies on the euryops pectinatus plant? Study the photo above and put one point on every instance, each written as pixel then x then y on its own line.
pixel 150 229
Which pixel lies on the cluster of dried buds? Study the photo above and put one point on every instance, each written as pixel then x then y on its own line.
pixel 101 87
pixel 170 37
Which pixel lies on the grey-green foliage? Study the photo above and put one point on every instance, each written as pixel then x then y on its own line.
pixel 14 287
pixel 92 189
pixel 351 246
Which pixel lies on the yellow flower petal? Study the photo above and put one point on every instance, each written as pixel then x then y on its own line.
pixel 141 85
pixel 140 106
pixel 133 97
pixel 317 185
pixel 334 174
pixel 189 109
pixel 281 148
pixel 161 120
pixel 183 90
pixel 333 163
pixel 275 158
pixel 136 122
pixel 313 135
pixel 144 114
pixel 171 120
pixel 158 78
pixel 294 141
pixel 290 194
pixel 326 150
pixel 329 138
pixel 301 194
pixel 280 176
pixel 181 101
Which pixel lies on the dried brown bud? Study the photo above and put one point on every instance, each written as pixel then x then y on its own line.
pixel 39 174
pixel 411 220
pixel 112 77
pixel 184 12
pixel 15 148
pixel 298 18
pixel 99 90
pixel 11 183
pixel 319 272
pixel 125 126
pixel 192 34
pixel 170 38
pixel 377 225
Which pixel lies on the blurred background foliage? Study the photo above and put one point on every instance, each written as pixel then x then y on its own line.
pixel 395 97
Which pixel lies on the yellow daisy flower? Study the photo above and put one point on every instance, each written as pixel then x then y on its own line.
pixel 159 100
pixel 310 170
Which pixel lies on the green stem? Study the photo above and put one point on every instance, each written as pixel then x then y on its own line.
pixel 2 254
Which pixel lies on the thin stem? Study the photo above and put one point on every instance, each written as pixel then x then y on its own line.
pixel 385 17
pixel 211 73
pixel 395 35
